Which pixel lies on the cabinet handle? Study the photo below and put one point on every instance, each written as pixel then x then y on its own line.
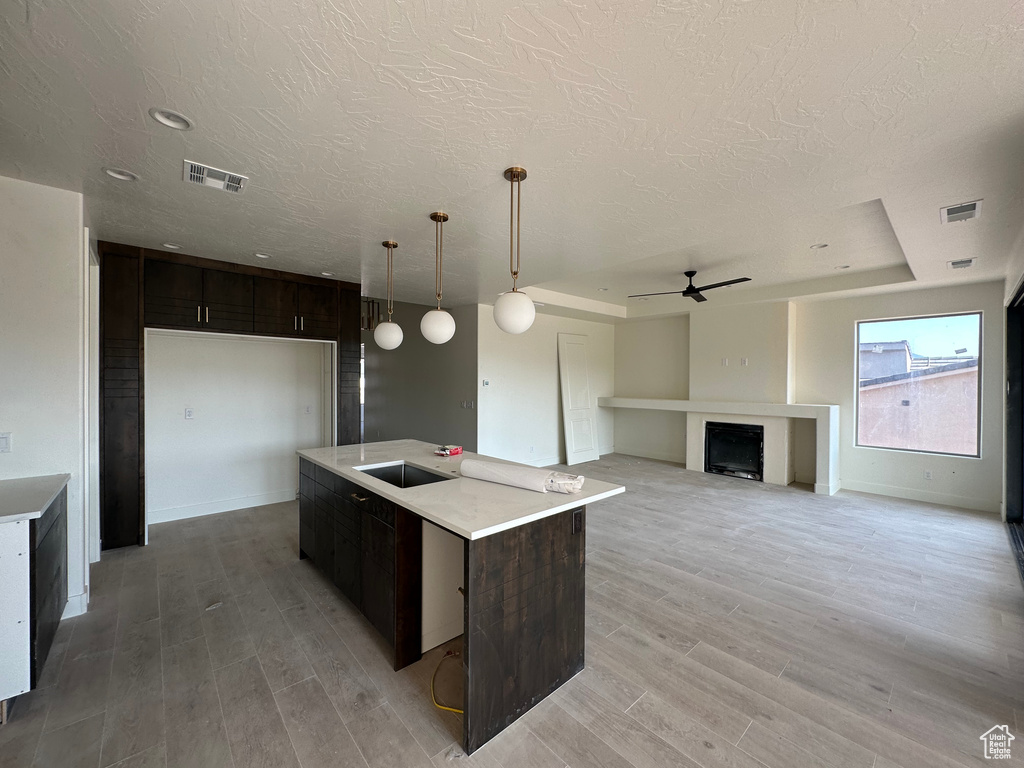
pixel 357 497
pixel 207 314
pixel 296 322
pixel 302 323
pixel 199 314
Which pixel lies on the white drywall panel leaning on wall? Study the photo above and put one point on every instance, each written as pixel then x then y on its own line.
pixel 254 402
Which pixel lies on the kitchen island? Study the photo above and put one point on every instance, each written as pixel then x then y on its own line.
pixel 524 565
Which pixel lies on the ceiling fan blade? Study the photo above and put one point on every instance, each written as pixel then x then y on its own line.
pixel 727 282
pixel 663 293
pixel 697 297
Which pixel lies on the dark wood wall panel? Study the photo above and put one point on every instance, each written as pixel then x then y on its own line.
pixel 121 489
pixel 349 356
pixel 524 638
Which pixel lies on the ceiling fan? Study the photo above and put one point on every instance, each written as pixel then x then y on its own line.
pixel 693 291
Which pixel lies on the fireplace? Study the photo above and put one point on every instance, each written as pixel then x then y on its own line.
pixel 734 449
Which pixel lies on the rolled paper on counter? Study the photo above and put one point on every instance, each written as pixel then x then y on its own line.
pixel 530 478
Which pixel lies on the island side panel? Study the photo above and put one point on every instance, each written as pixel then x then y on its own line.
pixel 525 601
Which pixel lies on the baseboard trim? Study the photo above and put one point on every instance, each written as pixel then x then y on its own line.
pixel 946 499
pixel 77 605
pixel 213 507
pixel 826 488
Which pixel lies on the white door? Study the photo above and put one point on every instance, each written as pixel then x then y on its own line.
pixel 578 414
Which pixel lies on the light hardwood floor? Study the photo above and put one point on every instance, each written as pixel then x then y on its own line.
pixel 729 623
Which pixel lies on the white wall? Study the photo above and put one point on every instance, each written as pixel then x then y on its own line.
pixel 416 391
pixel 250 398
pixel 519 416
pixel 43 279
pixel 826 373
pixel 652 359
pixel 757 332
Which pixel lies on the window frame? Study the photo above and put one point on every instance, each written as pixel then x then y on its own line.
pixel 856 383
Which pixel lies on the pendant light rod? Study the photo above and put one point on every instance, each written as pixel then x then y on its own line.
pixel 515 175
pixel 390 245
pixel 439 218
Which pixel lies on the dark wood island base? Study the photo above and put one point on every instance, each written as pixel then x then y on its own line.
pixel 524 593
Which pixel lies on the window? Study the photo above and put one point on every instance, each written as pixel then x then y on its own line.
pixel 918 382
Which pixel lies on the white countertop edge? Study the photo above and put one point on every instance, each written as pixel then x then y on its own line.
pixel 59 483
pixel 386 490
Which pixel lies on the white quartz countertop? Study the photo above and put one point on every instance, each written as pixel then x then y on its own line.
pixel 25 498
pixel 465 506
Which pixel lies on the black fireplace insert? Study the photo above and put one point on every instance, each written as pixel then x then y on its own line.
pixel 734 449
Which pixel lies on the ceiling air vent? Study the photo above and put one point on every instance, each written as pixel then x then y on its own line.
pixel 960 263
pixel 197 173
pixel 961 212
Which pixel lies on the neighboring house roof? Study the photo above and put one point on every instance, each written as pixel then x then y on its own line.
pixel 884 346
pixel 919 373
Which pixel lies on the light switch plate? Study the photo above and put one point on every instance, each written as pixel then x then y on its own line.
pixel 5 442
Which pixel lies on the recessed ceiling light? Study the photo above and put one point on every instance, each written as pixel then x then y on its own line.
pixel 172 246
pixel 327 274
pixel 262 255
pixel 819 246
pixel 171 119
pixel 121 174
pixel 643 299
pixel 602 289
pixel 843 266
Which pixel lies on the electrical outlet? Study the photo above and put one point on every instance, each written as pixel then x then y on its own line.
pixel 5 442
pixel 190 413
pixel 725 362
pixel 309 409
pixel 743 361
pixel 531 449
pixel 927 474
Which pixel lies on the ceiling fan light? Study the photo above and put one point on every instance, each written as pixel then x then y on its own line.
pixel 514 312
pixel 437 326
pixel 388 335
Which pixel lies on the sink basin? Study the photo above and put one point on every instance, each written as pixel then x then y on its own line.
pixel 403 475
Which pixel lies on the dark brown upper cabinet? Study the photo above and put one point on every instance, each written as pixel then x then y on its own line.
pixel 174 294
pixel 295 309
pixel 318 311
pixel 276 306
pixel 184 296
pixel 227 301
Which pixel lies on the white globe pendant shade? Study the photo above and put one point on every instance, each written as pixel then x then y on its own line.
pixel 437 326
pixel 514 312
pixel 388 335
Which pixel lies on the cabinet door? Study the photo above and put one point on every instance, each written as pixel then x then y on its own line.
pixel 275 306
pixel 323 530
pixel 227 301
pixel 174 294
pixel 307 535
pixel 348 555
pixel 318 311
pixel 378 581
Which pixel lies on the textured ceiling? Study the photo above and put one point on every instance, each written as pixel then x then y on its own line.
pixel 659 135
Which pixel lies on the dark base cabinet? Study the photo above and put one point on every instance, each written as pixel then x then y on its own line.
pixel 370 548
pixel 524 593
pixel 48 543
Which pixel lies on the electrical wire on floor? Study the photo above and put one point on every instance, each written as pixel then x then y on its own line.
pixel 433 677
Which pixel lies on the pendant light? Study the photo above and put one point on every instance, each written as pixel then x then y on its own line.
pixel 388 334
pixel 437 326
pixel 514 311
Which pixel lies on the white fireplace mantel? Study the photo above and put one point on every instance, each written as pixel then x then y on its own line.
pixel 826 418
